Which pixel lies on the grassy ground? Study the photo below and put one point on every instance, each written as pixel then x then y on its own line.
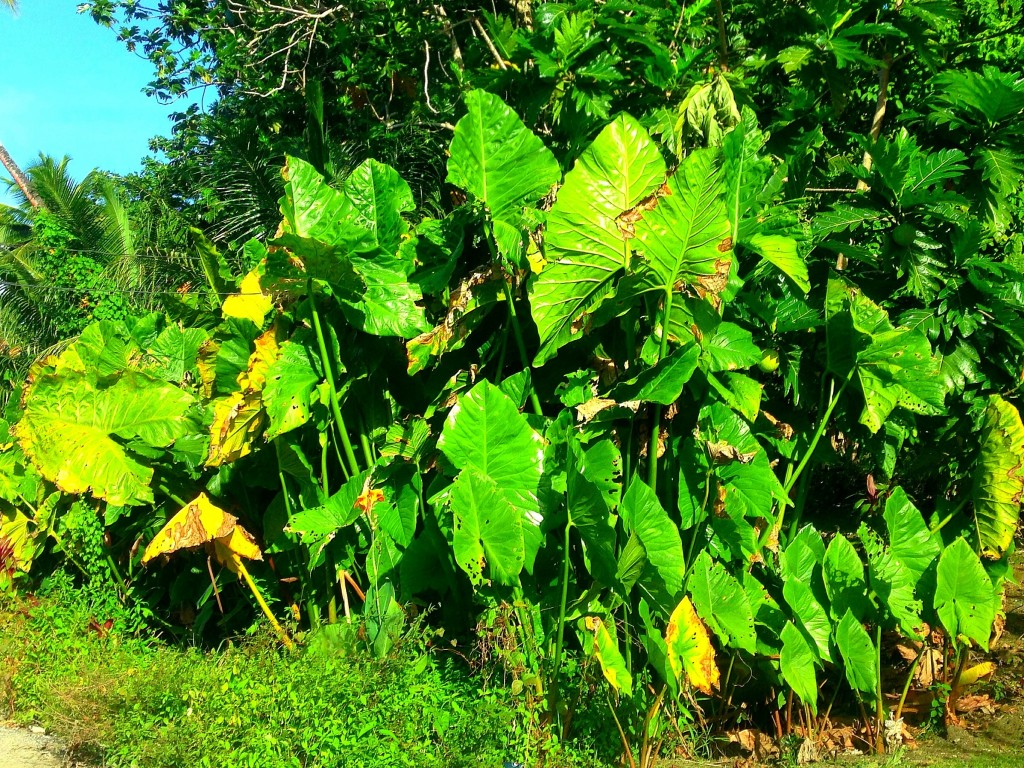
pixel 126 701
pixel 122 700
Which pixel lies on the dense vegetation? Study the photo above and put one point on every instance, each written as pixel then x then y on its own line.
pixel 671 354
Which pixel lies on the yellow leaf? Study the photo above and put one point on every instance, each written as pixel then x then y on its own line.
pixel 689 648
pixel 206 362
pixel 613 665
pixel 267 349
pixel 240 418
pixel 237 421
pixel 202 523
pixel 17 539
pixel 250 303
pixel 975 673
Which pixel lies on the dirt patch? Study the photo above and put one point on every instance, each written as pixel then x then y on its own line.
pixel 24 749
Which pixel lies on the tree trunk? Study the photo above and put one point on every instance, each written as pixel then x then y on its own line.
pixel 19 178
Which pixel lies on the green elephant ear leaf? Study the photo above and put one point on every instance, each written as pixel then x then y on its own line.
pixel 378 196
pixel 999 477
pixel 721 603
pixel 892 583
pixel 663 383
pixel 893 366
pixel 811 614
pixel 176 352
pixel 291 379
pixel 365 216
pixel 488 531
pixel 796 662
pixel 859 655
pixel 485 433
pixel 844 579
pixel 585 243
pixel 643 515
pixel 587 498
pixel 687 239
pixel 781 252
pixel 501 163
pixel 909 538
pixel 74 431
pixel 964 597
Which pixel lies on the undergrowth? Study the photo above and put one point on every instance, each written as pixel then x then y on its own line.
pixel 128 699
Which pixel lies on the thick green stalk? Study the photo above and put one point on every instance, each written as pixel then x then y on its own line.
pixel 281 632
pixel 516 328
pixel 323 467
pixel 822 425
pixel 880 706
pixel 365 443
pixel 655 438
pixel 560 632
pixel 517 331
pixel 284 484
pixel 806 458
pixel 339 420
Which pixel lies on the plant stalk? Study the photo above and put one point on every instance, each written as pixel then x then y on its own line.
pixel 325 358
pixel 286 641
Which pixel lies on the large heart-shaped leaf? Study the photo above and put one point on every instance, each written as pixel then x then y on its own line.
pixel 892 583
pixel 686 239
pixel 643 515
pixel 844 579
pixel 585 241
pixel 811 614
pixel 912 543
pixel 722 603
pixel 497 160
pixel 859 655
pixel 964 597
pixel 999 477
pixel 485 433
pixel 365 216
pixel 488 531
pixel 797 662
pixel 291 379
pixel 893 366
pixel 74 430
pixel 689 648
pixel 588 504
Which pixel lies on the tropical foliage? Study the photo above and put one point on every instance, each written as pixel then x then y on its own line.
pixel 700 370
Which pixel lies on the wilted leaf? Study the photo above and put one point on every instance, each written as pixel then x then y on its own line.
pixel 999 477
pixel 202 523
pixel 689 648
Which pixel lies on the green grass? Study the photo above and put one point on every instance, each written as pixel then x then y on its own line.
pixel 129 700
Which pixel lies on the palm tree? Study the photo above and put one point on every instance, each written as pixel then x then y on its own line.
pixel 82 252
pixel 5 157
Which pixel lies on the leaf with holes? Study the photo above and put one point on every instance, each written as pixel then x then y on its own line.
pixel 585 241
pixel 488 531
pixel 999 477
pixel 485 433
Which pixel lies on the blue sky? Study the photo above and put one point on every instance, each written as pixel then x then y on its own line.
pixel 68 87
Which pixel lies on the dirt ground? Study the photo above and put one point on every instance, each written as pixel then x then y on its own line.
pixel 20 748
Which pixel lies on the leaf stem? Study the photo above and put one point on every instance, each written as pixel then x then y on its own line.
pixel 325 358
pixel 822 424
pixel 560 634
pixel 517 329
pixel 281 633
